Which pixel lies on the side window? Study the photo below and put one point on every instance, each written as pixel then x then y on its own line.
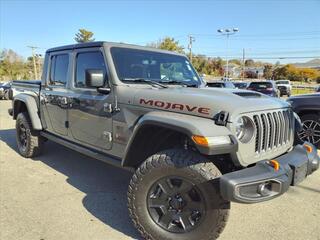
pixel 59 69
pixel 85 61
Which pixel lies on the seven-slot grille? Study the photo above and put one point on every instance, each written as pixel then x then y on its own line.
pixel 273 129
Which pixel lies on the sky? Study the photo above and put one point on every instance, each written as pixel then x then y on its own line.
pixel 268 29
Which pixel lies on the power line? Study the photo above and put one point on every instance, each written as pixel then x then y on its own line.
pixel 279 57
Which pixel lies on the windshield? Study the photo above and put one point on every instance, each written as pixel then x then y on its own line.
pixel 282 82
pixel 160 67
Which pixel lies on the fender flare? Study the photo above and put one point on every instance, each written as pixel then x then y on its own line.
pixel 186 124
pixel 32 108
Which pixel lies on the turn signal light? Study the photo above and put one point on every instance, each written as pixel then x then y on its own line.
pixel 200 140
pixel 308 148
pixel 275 164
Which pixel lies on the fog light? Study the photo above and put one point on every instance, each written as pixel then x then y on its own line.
pixel 264 189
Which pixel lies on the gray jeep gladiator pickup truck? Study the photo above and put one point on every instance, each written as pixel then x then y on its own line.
pixel 192 149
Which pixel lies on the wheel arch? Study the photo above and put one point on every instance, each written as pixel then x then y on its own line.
pixel 161 131
pixel 25 103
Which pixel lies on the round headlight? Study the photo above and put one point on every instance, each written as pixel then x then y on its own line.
pixel 244 129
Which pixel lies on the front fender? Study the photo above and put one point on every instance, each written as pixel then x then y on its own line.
pixel 188 125
pixel 31 106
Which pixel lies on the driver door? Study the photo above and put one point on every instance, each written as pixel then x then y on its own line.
pixel 90 123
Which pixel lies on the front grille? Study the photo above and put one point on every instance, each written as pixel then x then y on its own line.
pixel 273 129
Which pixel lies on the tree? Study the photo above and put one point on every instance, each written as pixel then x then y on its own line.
pixel 267 71
pixel 235 61
pixel 168 44
pixel 250 74
pixel 11 65
pixel 84 36
pixel 249 63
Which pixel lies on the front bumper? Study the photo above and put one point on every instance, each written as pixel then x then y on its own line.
pixel 284 91
pixel 262 182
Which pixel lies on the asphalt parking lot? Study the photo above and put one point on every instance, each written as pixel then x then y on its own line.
pixel 65 195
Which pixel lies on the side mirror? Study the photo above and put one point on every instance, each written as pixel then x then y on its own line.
pixel 94 78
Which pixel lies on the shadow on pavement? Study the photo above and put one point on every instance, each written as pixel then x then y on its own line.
pixel 309 188
pixel 105 186
pixel 8 136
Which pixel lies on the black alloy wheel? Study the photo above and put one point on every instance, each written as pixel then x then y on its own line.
pixel 310 131
pixel 175 204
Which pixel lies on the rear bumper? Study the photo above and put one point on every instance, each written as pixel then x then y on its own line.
pixel 262 182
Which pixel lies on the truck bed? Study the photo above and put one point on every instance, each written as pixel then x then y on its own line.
pixel 22 86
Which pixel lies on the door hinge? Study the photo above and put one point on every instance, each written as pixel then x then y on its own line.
pixel 110 108
pixel 107 136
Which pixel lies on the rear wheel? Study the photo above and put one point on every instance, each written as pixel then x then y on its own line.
pixel 30 143
pixel 310 129
pixel 171 196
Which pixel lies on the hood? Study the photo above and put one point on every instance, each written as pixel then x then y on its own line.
pixel 205 102
pixel 304 96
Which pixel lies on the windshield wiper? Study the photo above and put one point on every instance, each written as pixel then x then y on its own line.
pixel 179 83
pixel 143 80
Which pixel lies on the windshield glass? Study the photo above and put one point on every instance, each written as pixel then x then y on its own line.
pixel 160 67
pixel 282 82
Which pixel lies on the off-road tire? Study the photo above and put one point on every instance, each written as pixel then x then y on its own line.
pixel 186 164
pixel 34 142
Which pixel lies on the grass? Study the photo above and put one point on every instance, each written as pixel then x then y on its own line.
pixel 298 91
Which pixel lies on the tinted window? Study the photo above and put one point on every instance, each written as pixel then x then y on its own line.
pixel 216 85
pixel 282 82
pixel 59 69
pixel 88 60
pixel 260 85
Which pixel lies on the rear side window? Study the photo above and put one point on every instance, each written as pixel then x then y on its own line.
pixel 59 69
pixel 85 61
pixel 260 85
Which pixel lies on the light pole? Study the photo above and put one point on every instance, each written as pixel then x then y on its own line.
pixel 227 32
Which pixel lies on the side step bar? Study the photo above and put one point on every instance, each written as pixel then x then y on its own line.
pixel 85 151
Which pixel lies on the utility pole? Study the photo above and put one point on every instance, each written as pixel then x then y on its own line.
pixel 243 62
pixel 38 63
pixel 34 61
pixel 191 40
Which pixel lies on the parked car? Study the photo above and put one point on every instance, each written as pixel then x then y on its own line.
pixel 266 87
pixel 4 90
pixel 308 108
pixel 221 84
pixel 191 149
pixel 284 87
pixel 241 85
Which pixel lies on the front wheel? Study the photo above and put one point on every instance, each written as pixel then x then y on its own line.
pixel 171 196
